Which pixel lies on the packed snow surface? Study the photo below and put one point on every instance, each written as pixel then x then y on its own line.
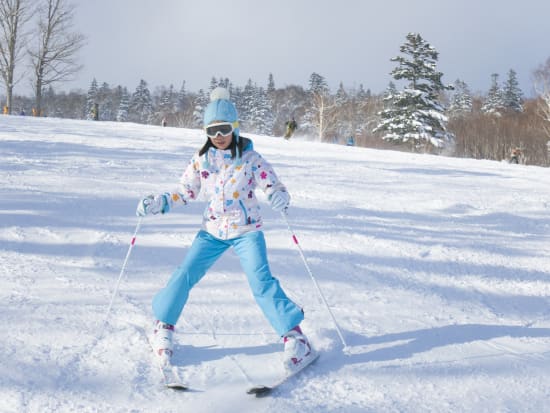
pixel 435 268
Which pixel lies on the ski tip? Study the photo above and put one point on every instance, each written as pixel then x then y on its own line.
pixel 259 391
pixel 176 386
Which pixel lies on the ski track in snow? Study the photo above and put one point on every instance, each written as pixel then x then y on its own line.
pixel 436 269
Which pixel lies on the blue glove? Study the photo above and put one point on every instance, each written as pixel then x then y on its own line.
pixel 279 200
pixel 153 204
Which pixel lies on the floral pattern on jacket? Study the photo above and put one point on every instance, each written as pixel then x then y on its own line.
pixel 228 186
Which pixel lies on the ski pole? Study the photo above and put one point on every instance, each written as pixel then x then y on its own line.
pixel 121 272
pixel 295 239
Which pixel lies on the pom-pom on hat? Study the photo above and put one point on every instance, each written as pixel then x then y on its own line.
pixel 221 109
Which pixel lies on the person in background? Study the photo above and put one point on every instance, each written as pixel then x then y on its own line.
pixel 291 127
pixel 95 112
pixel 516 155
pixel 227 170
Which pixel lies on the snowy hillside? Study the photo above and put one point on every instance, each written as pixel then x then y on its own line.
pixel 436 269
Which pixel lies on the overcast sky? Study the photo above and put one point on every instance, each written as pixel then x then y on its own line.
pixel 351 41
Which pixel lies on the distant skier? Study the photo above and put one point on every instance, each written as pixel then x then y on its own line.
pixel 94 115
pixel 351 141
pixel 516 154
pixel 227 170
pixel 291 126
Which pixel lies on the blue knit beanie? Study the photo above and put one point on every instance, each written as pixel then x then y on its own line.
pixel 221 109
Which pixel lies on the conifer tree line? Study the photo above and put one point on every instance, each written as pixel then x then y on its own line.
pixel 417 112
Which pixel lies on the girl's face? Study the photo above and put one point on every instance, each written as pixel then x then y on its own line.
pixel 220 134
pixel 222 141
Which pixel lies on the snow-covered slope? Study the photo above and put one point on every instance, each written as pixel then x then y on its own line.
pixel 436 269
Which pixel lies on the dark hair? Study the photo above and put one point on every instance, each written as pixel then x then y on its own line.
pixel 234 146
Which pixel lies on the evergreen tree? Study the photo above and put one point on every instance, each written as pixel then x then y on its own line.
pixel 182 100
pixel 341 97
pixel 122 113
pixel 167 102
pixel 224 83
pixel 363 94
pixel 461 100
pixel 512 93
pixel 213 84
pixel 141 104
pixel 361 100
pixel 200 103
pixel 494 102
pixel 105 101
pixel 91 98
pixel 318 84
pixel 237 96
pixel 260 114
pixel 415 115
pixel 271 93
pixel 270 84
pixel 246 107
pixel 389 95
pixel 116 96
pixel 345 107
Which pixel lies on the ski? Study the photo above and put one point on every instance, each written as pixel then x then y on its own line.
pixel 263 390
pixel 169 373
pixel 171 378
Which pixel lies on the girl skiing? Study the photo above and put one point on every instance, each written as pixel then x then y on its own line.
pixel 227 170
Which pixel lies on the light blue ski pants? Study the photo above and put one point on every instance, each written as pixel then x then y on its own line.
pixel 280 311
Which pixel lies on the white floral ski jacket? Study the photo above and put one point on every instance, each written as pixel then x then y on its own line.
pixel 228 186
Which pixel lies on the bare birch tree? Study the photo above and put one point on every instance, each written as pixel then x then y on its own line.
pixel 541 80
pixel 13 16
pixel 54 56
pixel 324 114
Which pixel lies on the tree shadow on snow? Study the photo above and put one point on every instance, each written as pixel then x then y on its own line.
pixel 409 343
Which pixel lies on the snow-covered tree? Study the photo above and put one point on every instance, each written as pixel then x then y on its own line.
pixel 345 106
pixel 182 101
pixel 270 84
pixel 494 101
pixel 91 99
pixel 415 115
pixel 213 84
pixel 141 104
pixel 200 103
pixel 261 113
pixel 341 97
pixel 512 93
pixel 123 107
pixel 363 94
pixel 461 99
pixel 389 95
pixel 105 102
pixel 363 120
pixel 245 106
pixel 318 84
pixel 167 101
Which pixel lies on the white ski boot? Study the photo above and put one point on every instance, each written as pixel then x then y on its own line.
pixel 161 341
pixel 298 351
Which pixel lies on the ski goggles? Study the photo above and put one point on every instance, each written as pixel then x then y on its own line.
pixel 222 128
